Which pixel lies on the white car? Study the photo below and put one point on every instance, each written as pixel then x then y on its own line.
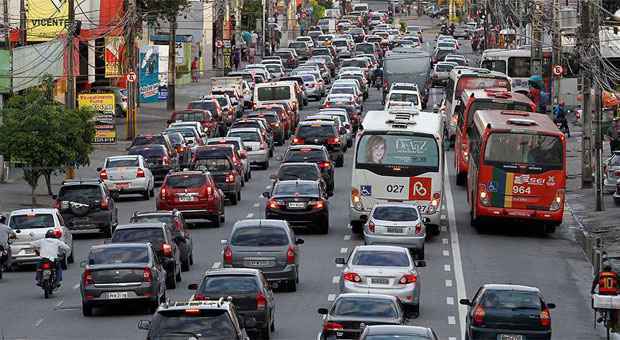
pixel 344 117
pixel 257 147
pixel 127 174
pixel 197 125
pixel 31 225
pixel 277 71
pixel 398 98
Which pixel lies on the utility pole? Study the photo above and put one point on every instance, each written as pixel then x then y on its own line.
pixel 586 140
pixel 419 7
pixel 70 94
pixel 263 31
pixel 22 22
pixel 5 13
pixel 598 107
pixel 556 50
pixel 131 67
pixel 537 28
pixel 172 62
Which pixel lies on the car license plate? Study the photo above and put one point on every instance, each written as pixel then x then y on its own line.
pixel 296 205
pixel 395 230
pixel 122 185
pixel 81 221
pixel 510 337
pixel 186 198
pixel 380 281
pixel 118 295
pixel 259 263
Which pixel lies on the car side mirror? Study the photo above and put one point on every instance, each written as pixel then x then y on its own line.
pixel 144 325
pixel 420 264
pixel 99 169
pixel 323 311
pixel 340 260
pixel 192 286
pixel 299 241
pixel 465 302
pixel 551 305
pixel 266 194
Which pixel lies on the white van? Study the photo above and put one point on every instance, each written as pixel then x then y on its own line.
pixel 278 92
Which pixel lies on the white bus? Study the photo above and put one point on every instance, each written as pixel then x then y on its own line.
pixel 398 158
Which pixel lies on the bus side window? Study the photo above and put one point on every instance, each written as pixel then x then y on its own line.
pixel 460 112
pixel 474 144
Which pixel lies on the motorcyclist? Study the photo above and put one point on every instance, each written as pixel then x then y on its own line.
pixel 559 111
pixel 5 249
pixel 51 248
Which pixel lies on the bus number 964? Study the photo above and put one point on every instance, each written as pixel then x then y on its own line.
pixel 519 189
pixel 395 188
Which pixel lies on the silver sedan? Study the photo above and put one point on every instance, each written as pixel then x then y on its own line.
pixel 388 270
pixel 127 175
pixel 396 224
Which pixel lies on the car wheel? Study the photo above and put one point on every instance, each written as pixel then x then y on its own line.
pixel 461 178
pixel 152 191
pixel 107 231
pixel 356 227
pixel 270 152
pixel 324 226
pixel 71 259
pixel 217 221
pixel 191 259
pixel 233 199
pixel 350 143
pixel 292 285
pixel 265 334
pixel 415 310
pixel 549 229
pixel 145 195
pixel 273 324
pixel 152 307
pixel 419 254
pixel 265 165
pixel 249 174
pixel 87 309
pixel 242 181
pixel 340 162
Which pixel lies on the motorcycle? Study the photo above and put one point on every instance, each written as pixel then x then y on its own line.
pixel 46 277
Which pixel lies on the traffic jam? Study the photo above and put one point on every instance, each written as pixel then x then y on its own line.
pixel 293 121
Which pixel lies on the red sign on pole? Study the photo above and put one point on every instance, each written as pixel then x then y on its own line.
pixel 558 70
pixel 131 77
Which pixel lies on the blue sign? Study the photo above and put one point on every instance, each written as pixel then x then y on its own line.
pixel 162 93
pixel 149 74
pixel 366 190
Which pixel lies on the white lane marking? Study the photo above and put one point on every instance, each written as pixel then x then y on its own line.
pixel 349 226
pixel 344 250
pixel 59 303
pixel 452 338
pixel 256 205
pixel 331 297
pixel 216 265
pixel 448 283
pixel 38 323
pixel 339 265
pixel 443 228
pixel 461 291
pixel 76 286
pixel 250 215
pixel 268 187
pixel 445 253
pixel 446 267
pixel 444 240
pixel 443 217
pixel 336 279
pixel 451 320
pixel 347 237
pixel 450 300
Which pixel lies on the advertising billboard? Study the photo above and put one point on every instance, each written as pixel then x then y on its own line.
pixel 103 104
pixel 46 19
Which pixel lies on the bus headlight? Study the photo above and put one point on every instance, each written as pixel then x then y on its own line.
pixel 356 199
pixel 558 200
pixel 485 199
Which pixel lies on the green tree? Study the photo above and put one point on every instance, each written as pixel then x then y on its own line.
pixel 44 136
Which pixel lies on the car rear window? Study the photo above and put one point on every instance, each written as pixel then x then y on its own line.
pixel 259 236
pixel 294 188
pixel 117 255
pixel 342 90
pixel 214 322
pixel 185 181
pixel 365 307
pixel 444 67
pixel 396 214
pixel 79 192
pixel 185 131
pixel 213 164
pixel 146 140
pixel 203 105
pixel 175 138
pixel 246 136
pixel 312 131
pixel 397 336
pixel 138 235
pixel 223 285
pixel 298 172
pixel 297 45
pixel 511 299
pixel 168 219
pixel 271 118
pixel 34 221
pixel 274 93
pixel 304 155
pixel 191 116
pixel 147 152
pixel 380 258
pixel 121 163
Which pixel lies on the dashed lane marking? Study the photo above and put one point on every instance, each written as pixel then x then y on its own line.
pixel 216 265
pixel 347 237
pixel 444 240
pixel 443 217
pixel 445 253
pixel 76 286
pixel 268 187
pixel 448 283
pixel 250 215
pixel 331 297
pixel 38 323
pixel 336 279
pixel 59 303
pixel 349 226
pixel 452 338
pixel 344 250
pixel 339 265
pixel 451 320
pixel 256 205
pixel 444 228
pixel 446 267
pixel 450 300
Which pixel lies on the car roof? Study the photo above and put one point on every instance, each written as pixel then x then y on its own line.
pixel 394 204
pixel 232 271
pixel 119 245
pixel 125 156
pixel 316 122
pixel 398 329
pixel 372 296
pixel 220 304
pixel 405 91
pixel 307 164
pixel 247 129
pixel 186 172
pixel 260 222
pixel 144 225
pixel 380 248
pixel 299 147
pixel 154 213
pixel 34 211
pixel 494 286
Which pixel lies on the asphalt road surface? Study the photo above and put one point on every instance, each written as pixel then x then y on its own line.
pixel 459 260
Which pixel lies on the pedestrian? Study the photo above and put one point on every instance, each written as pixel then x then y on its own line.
pixel 237 58
pixel 607 282
pixel 195 72
pixel 613 135
pixel 559 113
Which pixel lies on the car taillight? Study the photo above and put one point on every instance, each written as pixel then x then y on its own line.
pixel 103 174
pixel 165 161
pixel 200 297
pixel 147 275
pixel 297 140
pixel 275 124
pixel 352 277
pixel 371 227
pixel 105 204
pixel 163 193
pixel 325 165
pixel 290 255
pixel 87 277
pixel 332 326
pixel 57 232
pixel 484 196
pixel 140 172
pixel 318 204
pixel 558 200
pixel 261 301
pixel 327 104
pixel 418 229
pixel 230 178
pixel 545 318
pixel 617 173
pixel 385 84
pixel 333 140
pixel 273 204
pixel 166 249
pixel 408 278
pixel 479 313
pixel 56 204
pixel 228 255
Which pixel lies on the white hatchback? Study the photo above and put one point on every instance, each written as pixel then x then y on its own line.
pixel 127 175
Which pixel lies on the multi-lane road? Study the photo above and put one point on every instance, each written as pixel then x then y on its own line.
pixel 459 260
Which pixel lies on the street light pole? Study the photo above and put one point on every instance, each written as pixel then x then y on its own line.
pixel 263 31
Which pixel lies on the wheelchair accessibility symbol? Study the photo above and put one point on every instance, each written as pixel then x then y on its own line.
pixel 366 190
pixel 492 186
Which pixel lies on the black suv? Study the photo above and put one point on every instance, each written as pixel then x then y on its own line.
pixel 86 205
pixel 163 243
pixel 217 319
pixel 249 290
pixel 314 132
pixel 315 154
pixel 176 224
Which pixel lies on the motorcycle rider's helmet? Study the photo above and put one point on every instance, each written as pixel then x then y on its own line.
pixel 51 234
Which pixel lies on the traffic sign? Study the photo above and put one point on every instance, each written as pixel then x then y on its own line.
pixel 558 70
pixel 131 77
pixel 219 44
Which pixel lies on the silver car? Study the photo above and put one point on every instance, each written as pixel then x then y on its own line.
pixel 387 270
pixel 268 245
pixel 612 172
pixel 441 72
pixel 397 224
pixel 313 87
pixel 257 147
pixel 127 175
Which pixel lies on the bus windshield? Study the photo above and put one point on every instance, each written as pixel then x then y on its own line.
pixel 477 82
pixel 545 151
pixel 398 150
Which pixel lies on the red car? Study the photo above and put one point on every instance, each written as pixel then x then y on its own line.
pixel 204 117
pixel 195 194
pixel 283 112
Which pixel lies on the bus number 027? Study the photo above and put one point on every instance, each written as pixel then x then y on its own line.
pixel 519 189
pixel 395 188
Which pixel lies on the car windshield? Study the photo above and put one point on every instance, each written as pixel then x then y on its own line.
pixel 341 43
pixel 177 324
pixel 118 255
pixel 353 63
pixel 296 188
pixel 185 181
pixel 220 285
pixel 274 68
pixel 315 131
pixel 259 236
pixel 380 258
pixel 297 45
pixel 246 136
pixel 308 78
pixel 342 90
pixel 79 193
pixel 175 138
pixel 396 214
pixel 155 235
pixel 446 45
pixel 303 172
pixel 365 48
pixel 511 299
pixel 365 307
pixel 33 221
pixel 186 132
pixel 304 155
pixel 213 164
pixel 404 97
pixel 223 101
pixel 521 148
pixel 271 118
pixel 121 163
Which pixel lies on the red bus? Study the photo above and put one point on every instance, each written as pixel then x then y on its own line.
pixel 475 100
pixel 517 168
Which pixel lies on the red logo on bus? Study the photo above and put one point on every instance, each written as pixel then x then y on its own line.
pixel 420 188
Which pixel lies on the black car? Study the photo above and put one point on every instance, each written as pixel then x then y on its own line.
pixel 508 312
pixel 176 225
pixel 87 206
pixel 182 147
pixel 277 128
pixel 127 273
pixel 316 154
pixel 156 158
pixel 249 290
pixel 321 133
pixel 395 332
pixel 299 202
pixel 217 320
pixel 349 311
pixel 289 58
pixel 150 139
pixel 302 170
pixel 223 171
pixel 163 243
